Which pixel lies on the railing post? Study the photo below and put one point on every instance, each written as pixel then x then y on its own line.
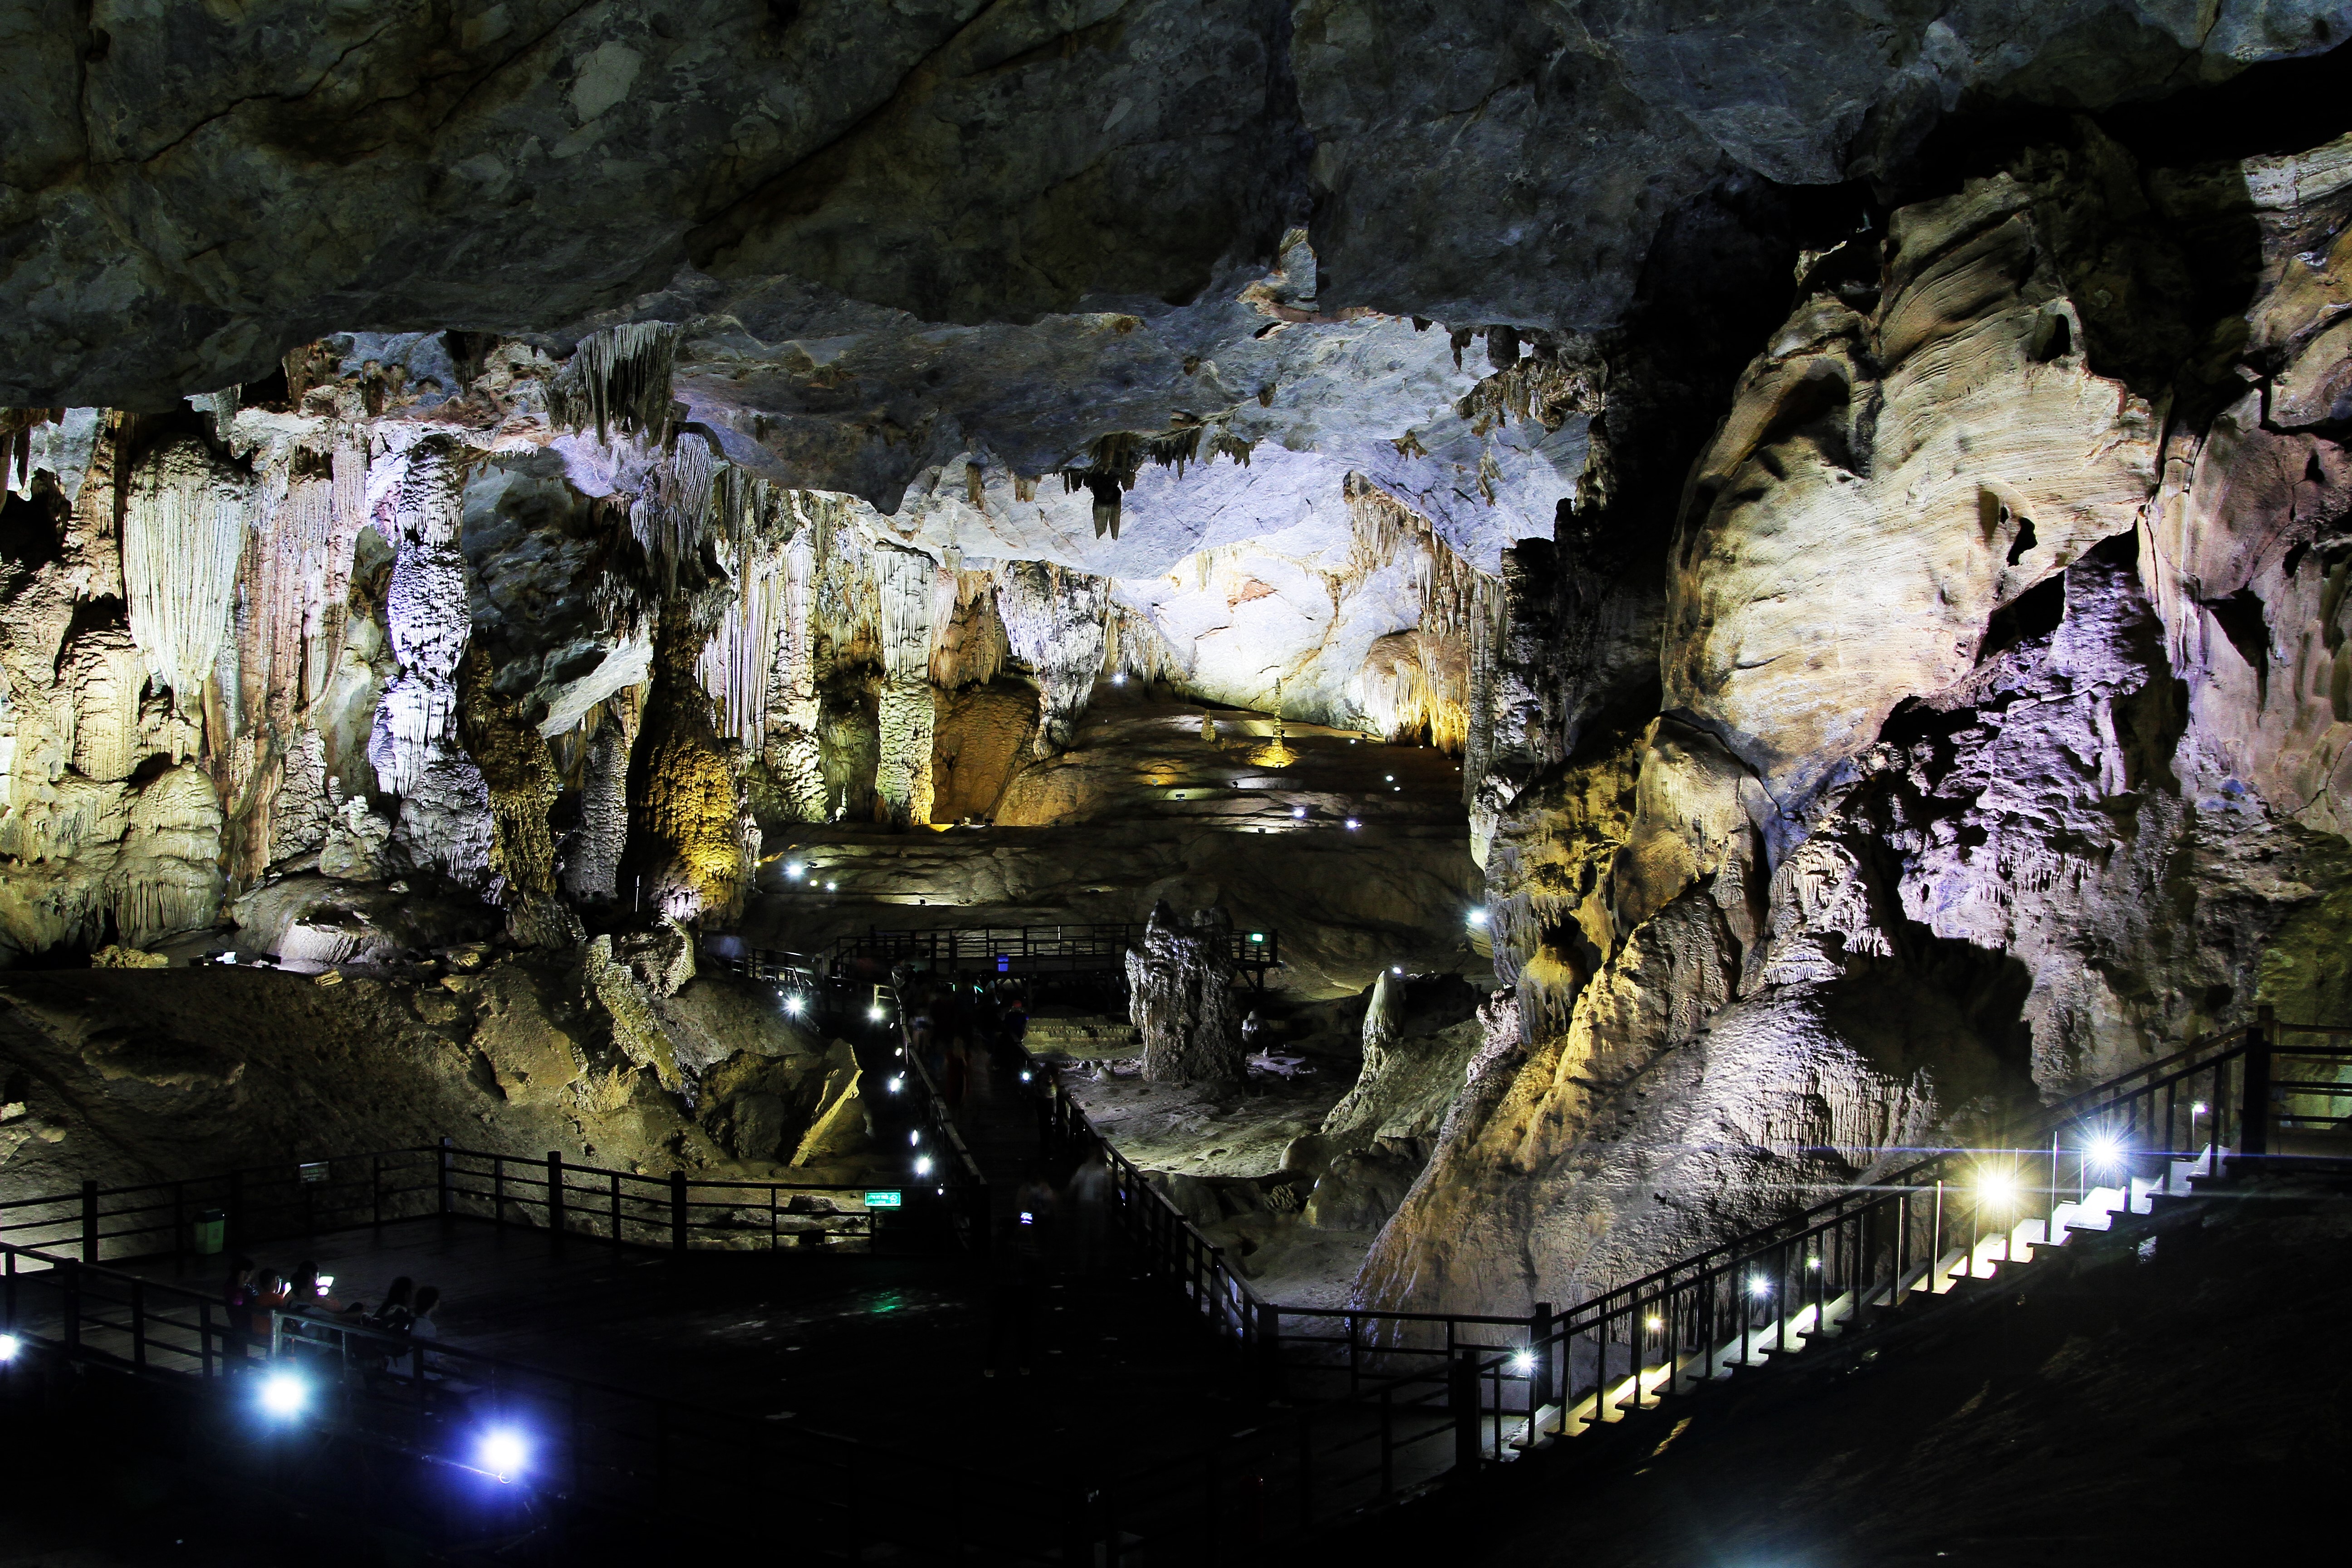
pixel 555 1194
pixel 2255 1106
pixel 1539 1353
pixel 1462 1405
pixel 677 1211
pixel 1269 1350
pixel 89 1222
pixel 442 1159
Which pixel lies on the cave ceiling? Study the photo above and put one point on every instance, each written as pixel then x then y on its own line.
pixel 898 239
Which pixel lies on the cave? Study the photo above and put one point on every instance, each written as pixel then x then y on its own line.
pixel 1130 783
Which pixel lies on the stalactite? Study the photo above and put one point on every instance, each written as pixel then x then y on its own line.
pixel 673 518
pixel 183 531
pixel 618 379
pixel 686 834
pixel 166 876
pixel 968 645
pixel 1054 621
pixel 1422 680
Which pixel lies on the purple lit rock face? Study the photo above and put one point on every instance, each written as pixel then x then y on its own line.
pixel 1835 525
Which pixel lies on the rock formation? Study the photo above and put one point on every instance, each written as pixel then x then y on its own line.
pixel 1179 989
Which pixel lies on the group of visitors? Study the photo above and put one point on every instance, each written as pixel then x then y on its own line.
pixel 405 1312
pixel 966 1034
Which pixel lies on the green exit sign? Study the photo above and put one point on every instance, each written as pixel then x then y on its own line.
pixel 882 1200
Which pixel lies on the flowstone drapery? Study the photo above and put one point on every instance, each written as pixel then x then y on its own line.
pixel 1053 620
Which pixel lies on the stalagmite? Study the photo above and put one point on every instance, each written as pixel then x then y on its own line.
pixel 1054 621
pixel 445 809
pixel 591 864
pixel 1179 982
pixel 793 753
pixel 182 533
pixel 167 875
pixel 902 783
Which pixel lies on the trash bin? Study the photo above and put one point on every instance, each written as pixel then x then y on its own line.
pixel 212 1231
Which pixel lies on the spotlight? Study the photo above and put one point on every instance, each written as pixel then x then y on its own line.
pixel 1353 825
pixel 793 1005
pixel 1525 1361
pixel 829 886
pixel 1758 1286
pixel 923 1167
pixel 284 1394
pixel 1996 1189
pixel 914 1138
pixel 2103 1150
pixel 1388 778
pixel 1654 1322
pixel 897 1083
pixel 795 870
pixel 1478 917
pixel 503 1452
pixel 1119 678
pixel 1024 1075
pixel 9 1345
pixel 1814 1263
pixel 1299 812
pixel 1396 969
pixel 2196 1109
pixel 1028 1218
pixel 875 1013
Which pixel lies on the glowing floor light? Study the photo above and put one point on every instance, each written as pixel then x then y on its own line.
pixel 283 1394
pixel 1758 1286
pixel 923 1167
pixel 794 1004
pixel 9 1345
pixel 2104 1151
pixel 1654 1322
pixel 503 1452
pixel 874 1014
pixel 1996 1189
pixel 795 870
pixel 1478 917
pixel 1353 825
pixel 1524 1361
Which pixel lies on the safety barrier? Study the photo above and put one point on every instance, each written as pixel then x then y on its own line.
pixel 350 1192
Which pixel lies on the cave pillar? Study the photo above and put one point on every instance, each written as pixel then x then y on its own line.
pixel 1054 621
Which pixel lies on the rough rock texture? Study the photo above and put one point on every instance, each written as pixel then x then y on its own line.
pixel 1973 789
pixel 1179 987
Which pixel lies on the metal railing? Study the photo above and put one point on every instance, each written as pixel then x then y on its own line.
pixel 612 1450
pixel 676 1210
pixel 1416 1397
pixel 1028 950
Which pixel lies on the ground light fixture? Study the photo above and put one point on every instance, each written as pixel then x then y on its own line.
pixel 283 1394
pixel 794 1004
pixel 1024 1075
pixel 9 1345
pixel 503 1452
pixel 1524 1361
pixel 1654 1322
pixel 795 870
pixel 1996 1189
pixel 897 1083
pixel 1476 917
pixel 1353 825
pixel 874 1014
pixel 914 1139
pixel 1119 680
pixel 2105 1150
pixel 1758 1286
pixel 923 1165
pixel 831 887
pixel 1299 813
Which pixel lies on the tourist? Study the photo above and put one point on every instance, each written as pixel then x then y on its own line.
pixel 1090 1199
pixel 266 1296
pixel 307 1295
pixel 394 1315
pixel 239 1297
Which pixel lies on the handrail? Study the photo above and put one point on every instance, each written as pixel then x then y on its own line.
pixel 615 1448
pixel 677 1209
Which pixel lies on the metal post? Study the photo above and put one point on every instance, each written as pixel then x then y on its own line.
pixel 443 1160
pixel 1540 1355
pixel 555 1194
pixel 677 1211
pixel 89 1222
pixel 1269 1350
pixel 1462 1403
pixel 139 1324
pixel 2254 1104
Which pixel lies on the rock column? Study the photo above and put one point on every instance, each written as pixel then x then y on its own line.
pixel 1179 984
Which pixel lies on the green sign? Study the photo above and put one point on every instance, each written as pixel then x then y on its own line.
pixel 882 1200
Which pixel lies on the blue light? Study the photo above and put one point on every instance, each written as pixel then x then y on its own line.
pixel 283 1394
pixel 504 1453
